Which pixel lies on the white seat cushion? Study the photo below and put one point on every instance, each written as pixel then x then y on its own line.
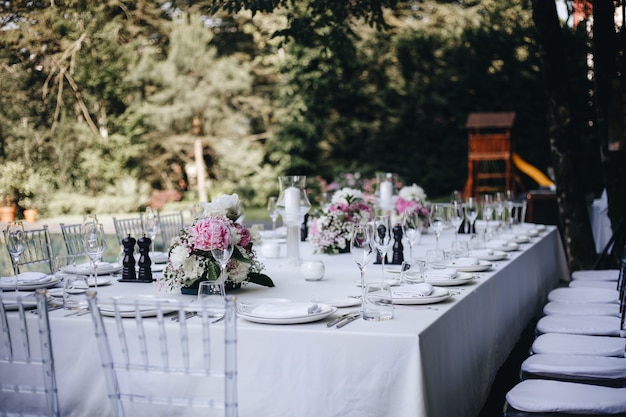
pixel 537 395
pixel 581 309
pixel 572 366
pixel 583 283
pixel 587 325
pixel 584 295
pixel 596 275
pixel 574 344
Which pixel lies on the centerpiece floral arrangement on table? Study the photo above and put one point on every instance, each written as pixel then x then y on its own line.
pixel 331 227
pixel 190 260
pixel 411 199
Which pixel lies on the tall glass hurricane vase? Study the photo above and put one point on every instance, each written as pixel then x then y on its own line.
pixel 362 249
pixel 16 243
pixel 293 204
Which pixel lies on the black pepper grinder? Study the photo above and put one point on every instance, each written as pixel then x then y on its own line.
pixel 381 232
pixel 398 248
pixel 145 270
pixel 128 263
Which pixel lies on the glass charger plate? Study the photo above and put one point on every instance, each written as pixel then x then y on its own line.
pixel 438 295
pixel 482 266
pixel 128 310
pixel 461 278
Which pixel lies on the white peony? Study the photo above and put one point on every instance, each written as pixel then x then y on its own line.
pixel 413 193
pixel 346 195
pixel 224 205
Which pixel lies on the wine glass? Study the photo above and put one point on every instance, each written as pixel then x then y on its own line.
pixel 487 210
pixel 510 206
pixel 16 243
pixel 151 225
pixel 498 206
pixel 222 249
pixel 361 249
pixel 94 241
pixel 273 212
pixel 411 227
pixel 381 238
pixel 471 212
pixel 437 221
pixel 455 214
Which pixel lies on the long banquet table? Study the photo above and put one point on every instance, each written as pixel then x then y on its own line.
pixel 438 361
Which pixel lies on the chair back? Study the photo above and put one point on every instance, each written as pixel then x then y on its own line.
pixel 130 226
pixel 73 238
pixel 171 226
pixel 175 365
pixel 37 250
pixel 26 354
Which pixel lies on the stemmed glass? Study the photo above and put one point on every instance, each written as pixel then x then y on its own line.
pixel 456 217
pixel 94 241
pixel 381 238
pixel 411 227
pixel 361 249
pixel 471 212
pixel 487 210
pixel 222 249
pixel 273 212
pixel 437 220
pixel 16 243
pixel 151 225
pixel 498 206
pixel 510 205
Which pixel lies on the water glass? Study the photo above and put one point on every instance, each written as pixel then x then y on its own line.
pixel 377 303
pixel 413 272
pixel 74 291
pixel 459 249
pixel 211 296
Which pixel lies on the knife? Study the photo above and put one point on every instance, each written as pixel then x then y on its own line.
pixel 340 318
pixel 348 320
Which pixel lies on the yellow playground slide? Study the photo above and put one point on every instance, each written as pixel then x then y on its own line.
pixel 533 172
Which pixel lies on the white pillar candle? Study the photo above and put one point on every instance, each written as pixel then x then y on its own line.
pixel 386 193
pixel 292 205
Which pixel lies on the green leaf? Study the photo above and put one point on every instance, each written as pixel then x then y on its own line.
pixel 260 279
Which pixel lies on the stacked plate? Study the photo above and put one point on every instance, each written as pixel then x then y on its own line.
pixel 419 294
pixel 285 312
pixel 28 281
pixel 126 306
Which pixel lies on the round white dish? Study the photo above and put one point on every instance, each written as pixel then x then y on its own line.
pixel 482 266
pixel 438 295
pixel 461 278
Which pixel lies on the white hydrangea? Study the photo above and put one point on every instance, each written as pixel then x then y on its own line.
pixel 413 193
pixel 346 194
pixel 178 256
pixel 224 205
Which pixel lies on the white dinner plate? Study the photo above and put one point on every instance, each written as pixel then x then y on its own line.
pixel 503 246
pixel 389 281
pixel 128 310
pixel 102 281
pixel 438 295
pixel 480 267
pixel 461 278
pixel 393 269
pixel 158 257
pixel 256 316
pixel 496 255
pixel 30 286
pixel 343 302
pixel 104 268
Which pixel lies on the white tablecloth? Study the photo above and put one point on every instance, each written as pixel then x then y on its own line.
pixel 424 362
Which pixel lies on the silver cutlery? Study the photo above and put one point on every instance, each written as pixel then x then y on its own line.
pixel 79 312
pixel 188 315
pixel 348 320
pixel 342 318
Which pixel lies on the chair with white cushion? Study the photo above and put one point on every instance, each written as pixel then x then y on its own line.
pixel 575 344
pixel 539 397
pixel 597 370
pixel 26 359
pixel 609 275
pixel 178 367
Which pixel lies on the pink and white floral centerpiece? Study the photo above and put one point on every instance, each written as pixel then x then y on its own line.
pixel 331 227
pixel 190 260
pixel 411 199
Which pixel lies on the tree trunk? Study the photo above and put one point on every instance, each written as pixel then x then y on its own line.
pixel 565 135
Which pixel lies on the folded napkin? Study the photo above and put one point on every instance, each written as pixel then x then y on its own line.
pixel 444 273
pixel 288 310
pixel 464 261
pixel 412 291
pixel 481 252
pixel 27 278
